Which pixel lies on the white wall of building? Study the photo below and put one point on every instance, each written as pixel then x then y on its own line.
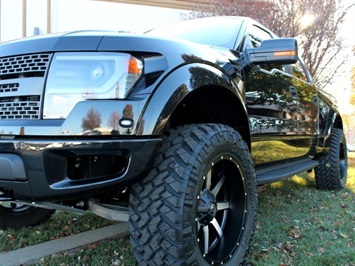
pixel 10 22
pixel 68 15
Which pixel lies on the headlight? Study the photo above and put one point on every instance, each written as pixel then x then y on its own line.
pixel 75 77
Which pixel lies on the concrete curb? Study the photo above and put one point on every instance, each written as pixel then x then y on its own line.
pixel 31 254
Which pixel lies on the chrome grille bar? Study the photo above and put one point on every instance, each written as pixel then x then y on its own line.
pixel 24 64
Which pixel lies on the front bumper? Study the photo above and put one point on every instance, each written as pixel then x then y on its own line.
pixel 72 168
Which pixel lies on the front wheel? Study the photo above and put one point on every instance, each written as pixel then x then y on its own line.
pixel 198 205
pixel 13 215
pixel 331 173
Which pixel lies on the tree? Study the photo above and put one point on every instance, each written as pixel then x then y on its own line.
pixel 92 120
pixel 314 23
pixel 128 111
pixel 113 120
pixel 248 8
pixel 352 98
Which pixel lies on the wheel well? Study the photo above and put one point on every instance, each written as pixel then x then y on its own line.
pixel 211 105
pixel 338 123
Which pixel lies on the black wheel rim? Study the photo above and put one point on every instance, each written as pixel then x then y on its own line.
pixel 14 207
pixel 221 210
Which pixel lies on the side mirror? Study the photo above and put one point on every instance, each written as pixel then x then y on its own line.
pixel 274 51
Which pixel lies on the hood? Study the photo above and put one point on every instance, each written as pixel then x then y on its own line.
pixel 72 41
pixel 92 41
pixel 176 51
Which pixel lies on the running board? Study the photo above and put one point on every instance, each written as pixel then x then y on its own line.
pixel 113 212
pixel 283 171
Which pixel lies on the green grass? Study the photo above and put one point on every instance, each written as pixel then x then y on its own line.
pixel 297 225
pixel 61 224
pixel 109 252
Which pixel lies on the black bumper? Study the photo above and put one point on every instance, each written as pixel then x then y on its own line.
pixel 66 169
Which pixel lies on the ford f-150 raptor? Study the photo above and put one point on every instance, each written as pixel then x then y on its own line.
pixel 172 130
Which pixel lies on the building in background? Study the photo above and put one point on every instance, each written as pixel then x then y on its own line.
pixel 24 18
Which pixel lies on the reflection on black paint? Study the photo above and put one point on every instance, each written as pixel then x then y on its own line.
pixel 92 120
pixel 271 108
pixel 113 120
pixel 281 107
pixel 91 123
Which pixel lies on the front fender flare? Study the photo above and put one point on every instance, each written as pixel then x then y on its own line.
pixel 177 85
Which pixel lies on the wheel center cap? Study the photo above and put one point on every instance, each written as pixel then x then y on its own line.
pixel 213 207
pixel 207 207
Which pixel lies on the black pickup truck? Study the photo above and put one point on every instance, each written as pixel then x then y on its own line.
pixel 172 130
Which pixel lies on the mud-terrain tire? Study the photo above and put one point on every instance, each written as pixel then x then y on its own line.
pixel 198 205
pixel 331 173
pixel 17 215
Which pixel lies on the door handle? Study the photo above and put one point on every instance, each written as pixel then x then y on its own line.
pixel 293 92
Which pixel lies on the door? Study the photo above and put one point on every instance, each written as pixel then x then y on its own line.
pixel 272 103
pixel 307 107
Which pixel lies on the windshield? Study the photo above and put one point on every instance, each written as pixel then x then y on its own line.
pixel 214 31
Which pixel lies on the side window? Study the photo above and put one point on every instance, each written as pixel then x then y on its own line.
pixel 257 35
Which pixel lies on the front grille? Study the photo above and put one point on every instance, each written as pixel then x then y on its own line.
pixel 22 79
pixel 22 107
pixel 12 87
pixel 28 65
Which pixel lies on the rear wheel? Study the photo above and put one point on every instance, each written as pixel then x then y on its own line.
pixel 331 174
pixel 198 205
pixel 17 215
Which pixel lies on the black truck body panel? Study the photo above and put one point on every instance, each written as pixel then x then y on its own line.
pixel 183 82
